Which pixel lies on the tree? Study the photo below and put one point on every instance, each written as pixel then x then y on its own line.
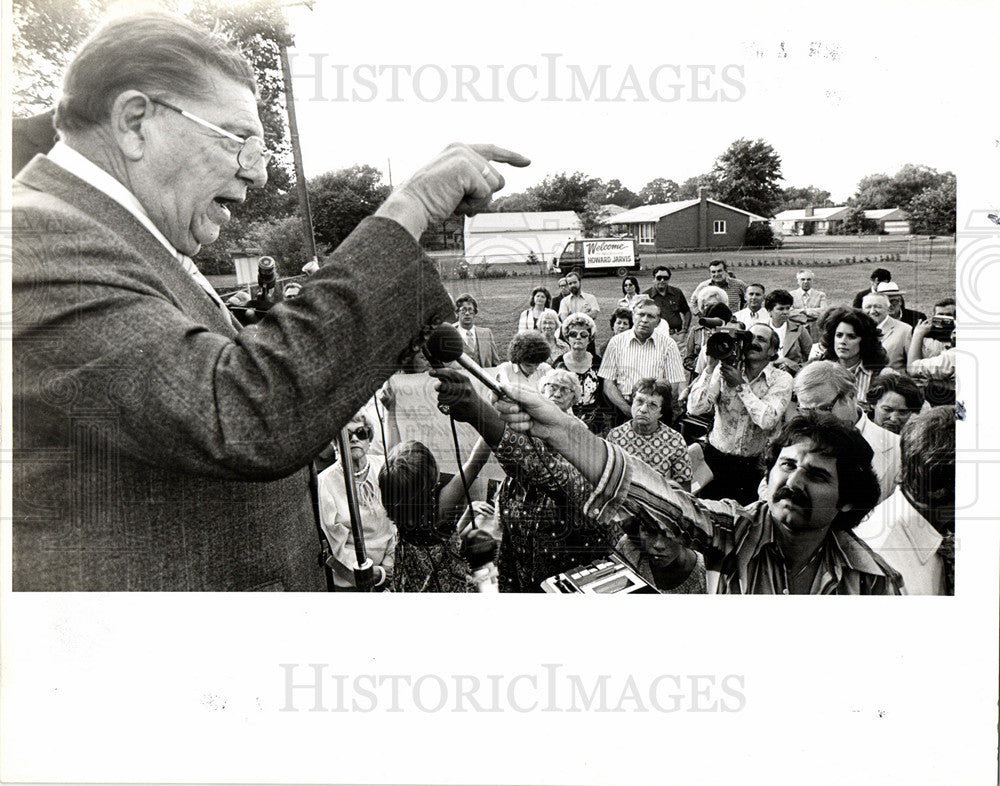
pixel 689 188
pixel 521 202
pixel 748 174
pixel 658 191
pixel 881 191
pixel 45 34
pixel 798 198
pixel 761 235
pixel 341 200
pixel 932 211
pixel 564 192
pixel 855 223
pixel 614 193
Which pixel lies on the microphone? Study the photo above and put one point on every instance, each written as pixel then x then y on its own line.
pixel 445 345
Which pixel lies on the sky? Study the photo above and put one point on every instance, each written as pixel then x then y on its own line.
pixel 860 91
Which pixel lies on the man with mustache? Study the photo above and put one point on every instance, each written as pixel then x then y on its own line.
pixel 797 540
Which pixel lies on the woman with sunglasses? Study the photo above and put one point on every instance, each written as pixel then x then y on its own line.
pixel 592 408
pixel 335 517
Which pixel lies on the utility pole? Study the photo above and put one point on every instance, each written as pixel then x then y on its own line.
pixel 293 130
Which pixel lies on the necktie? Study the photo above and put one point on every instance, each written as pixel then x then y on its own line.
pixel 204 283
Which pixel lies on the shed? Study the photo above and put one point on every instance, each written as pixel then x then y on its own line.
pixel 511 237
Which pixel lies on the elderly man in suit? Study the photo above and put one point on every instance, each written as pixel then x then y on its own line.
pixel 896 335
pixel 825 386
pixel 477 341
pixel 157 446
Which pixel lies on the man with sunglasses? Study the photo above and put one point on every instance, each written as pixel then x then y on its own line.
pixel 826 386
pixel 674 308
pixel 158 446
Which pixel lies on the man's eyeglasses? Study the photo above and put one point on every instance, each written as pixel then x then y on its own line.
pixel 253 148
pixel 827 408
pixel 661 278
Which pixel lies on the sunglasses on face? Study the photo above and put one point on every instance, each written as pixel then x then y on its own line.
pixel 362 433
pixel 661 278
pixel 578 334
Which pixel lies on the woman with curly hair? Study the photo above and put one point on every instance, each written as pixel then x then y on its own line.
pixel 620 321
pixel 529 355
pixel 592 408
pixel 851 338
pixel 539 304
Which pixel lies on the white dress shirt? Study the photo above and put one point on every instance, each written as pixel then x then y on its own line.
pixel 76 164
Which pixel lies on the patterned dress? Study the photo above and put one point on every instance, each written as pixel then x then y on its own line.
pixel 544 529
pixel 592 408
pixel 664 450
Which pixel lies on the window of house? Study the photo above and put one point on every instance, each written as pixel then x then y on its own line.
pixel 646 232
pixel 719 228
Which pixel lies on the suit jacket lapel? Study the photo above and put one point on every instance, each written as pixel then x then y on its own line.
pixel 165 273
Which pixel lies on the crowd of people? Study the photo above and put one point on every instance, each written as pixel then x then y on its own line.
pixel 738 439
pixel 707 397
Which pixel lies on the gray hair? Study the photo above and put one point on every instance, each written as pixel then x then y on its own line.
pixel 561 376
pixel 821 372
pixel 154 53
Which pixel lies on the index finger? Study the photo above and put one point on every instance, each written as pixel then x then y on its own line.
pixel 500 154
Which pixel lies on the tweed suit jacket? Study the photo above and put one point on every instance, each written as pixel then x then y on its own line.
pixel 896 342
pixel 157 448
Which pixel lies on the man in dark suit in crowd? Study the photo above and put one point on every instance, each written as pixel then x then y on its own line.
pixel 157 446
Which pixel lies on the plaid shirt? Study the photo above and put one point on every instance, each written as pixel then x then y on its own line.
pixel 737 542
pixel 736 289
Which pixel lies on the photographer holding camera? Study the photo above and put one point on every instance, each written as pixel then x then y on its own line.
pixel 749 395
pixel 932 347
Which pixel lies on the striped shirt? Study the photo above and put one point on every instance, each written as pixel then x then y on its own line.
pixel 739 543
pixel 627 360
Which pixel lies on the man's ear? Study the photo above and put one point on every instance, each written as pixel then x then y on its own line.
pixel 130 116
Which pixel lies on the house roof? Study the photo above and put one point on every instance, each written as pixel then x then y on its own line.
pixel 819 214
pixel 647 213
pixel 556 220
pixel 887 214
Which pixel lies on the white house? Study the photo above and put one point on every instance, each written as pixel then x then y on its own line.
pixel 809 220
pixel 891 220
pixel 511 237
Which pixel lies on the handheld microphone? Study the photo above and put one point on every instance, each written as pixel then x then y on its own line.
pixel 445 345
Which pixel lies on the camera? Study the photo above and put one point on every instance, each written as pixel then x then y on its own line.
pixel 941 327
pixel 729 343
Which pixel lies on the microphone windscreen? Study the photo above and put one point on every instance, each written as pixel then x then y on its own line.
pixel 444 344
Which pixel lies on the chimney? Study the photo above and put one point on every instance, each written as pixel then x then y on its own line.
pixel 702 217
pixel 809 211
